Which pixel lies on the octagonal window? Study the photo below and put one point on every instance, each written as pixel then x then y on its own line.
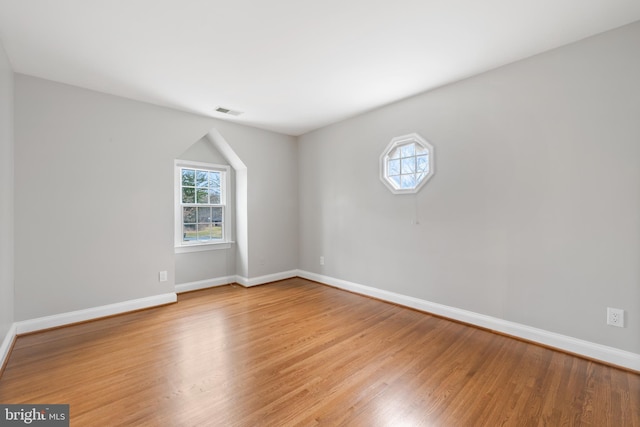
pixel 406 164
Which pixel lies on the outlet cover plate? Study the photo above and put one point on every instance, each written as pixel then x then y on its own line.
pixel 615 317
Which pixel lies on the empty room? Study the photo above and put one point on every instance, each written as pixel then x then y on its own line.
pixel 296 213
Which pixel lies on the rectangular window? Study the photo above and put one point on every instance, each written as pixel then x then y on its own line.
pixel 201 204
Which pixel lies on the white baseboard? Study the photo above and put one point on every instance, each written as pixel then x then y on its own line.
pixel 7 342
pixel 33 325
pixel 255 281
pixel 576 346
pixel 204 284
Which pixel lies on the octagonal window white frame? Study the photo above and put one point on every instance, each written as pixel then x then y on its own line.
pixel 403 168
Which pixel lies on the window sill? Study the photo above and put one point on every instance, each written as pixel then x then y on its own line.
pixel 202 247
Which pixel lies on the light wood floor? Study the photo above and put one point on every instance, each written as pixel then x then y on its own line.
pixel 299 353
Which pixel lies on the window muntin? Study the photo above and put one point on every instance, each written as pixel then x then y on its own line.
pixel 200 203
pixel 406 164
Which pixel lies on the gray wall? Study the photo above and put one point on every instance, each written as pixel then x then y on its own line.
pixel 272 197
pixel 6 194
pixel 94 196
pixel 533 214
pixel 203 151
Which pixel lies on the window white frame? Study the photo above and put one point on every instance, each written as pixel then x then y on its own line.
pixel 224 242
pixel 418 160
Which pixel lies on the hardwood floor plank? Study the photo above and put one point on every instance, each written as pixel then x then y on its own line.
pixel 297 353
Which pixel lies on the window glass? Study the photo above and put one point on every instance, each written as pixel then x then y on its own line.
pixel 201 204
pixel 406 164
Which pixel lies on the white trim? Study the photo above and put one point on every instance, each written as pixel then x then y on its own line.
pixel 62 319
pixel 202 247
pixel 7 342
pixel 577 346
pixel 204 284
pixel 261 280
pixel 201 165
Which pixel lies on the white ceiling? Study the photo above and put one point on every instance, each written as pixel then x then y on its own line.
pixel 290 65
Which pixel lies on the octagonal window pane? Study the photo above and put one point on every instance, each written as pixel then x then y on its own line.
pixel 408 181
pixel 394 167
pixel 408 150
pixel 408 165
pixel 422 164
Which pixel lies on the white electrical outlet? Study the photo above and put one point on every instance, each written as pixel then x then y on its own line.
pixel 615 317
pixel 162 276
pixel 321 260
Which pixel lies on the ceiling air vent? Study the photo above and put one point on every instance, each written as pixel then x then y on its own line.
pixel 228 111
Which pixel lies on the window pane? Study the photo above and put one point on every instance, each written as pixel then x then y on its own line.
pixel 188 177
pixel 423 163
pixel 214 180
pixel 408 150
pixel 202 178
pixel 216 215
pixel 216 231
pixel 203 195
pixel 188 215
pixel 188 195
pixel 395 154
pixel 394 167
pixel 189 232
pixel 408 165
pixel 214 197
pixel 204 215
pixel 408 181
pixel 421 150
pixel 395 180
pixel 199 189
pixel 204 231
